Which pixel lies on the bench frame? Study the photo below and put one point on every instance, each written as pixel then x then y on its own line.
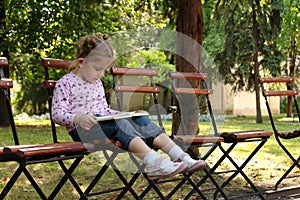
pixel 232 138
pixel 280 136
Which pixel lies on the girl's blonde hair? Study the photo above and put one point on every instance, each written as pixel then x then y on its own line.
pixel 96 44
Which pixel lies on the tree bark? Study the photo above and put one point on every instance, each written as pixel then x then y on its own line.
pixel 188 59
pixel 292 61
pixel 256 66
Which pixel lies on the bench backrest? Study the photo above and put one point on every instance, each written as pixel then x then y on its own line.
pixel 193 83
pixel 49 83
pixel 121 84
pixel 285 88
pixel 5 85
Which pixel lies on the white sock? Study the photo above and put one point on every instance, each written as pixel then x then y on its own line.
pixel 152 159
pixel 175 152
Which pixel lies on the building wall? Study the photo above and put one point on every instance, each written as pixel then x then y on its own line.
pixel 223 101
pixel 244 103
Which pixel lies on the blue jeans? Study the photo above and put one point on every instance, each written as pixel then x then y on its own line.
pixel 122 130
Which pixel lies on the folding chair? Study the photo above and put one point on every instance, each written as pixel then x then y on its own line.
pixel 269 91
pixel 141 80
pixel 232 138
pixel 100 145
pixel 30 154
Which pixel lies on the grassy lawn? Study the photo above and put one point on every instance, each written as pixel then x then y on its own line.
pixel 264 169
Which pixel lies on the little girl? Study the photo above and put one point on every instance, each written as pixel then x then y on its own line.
pixel 79 96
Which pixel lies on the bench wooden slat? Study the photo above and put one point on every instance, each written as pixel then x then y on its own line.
pixel 47 149
pixel 15 148
pixel 276 80
pixel 6 83
pixel 188 75
pixel 56 63
pixel 3 62
pixel 241 135
pixel 133 71
pixel 57 149
pixel 179 90
pixel 140 89
pixel 49 84
pixel 289 134
pixel 5 157
pixel 281 93
pixel 199 139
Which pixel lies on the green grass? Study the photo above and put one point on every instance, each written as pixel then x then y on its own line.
pixel 264 169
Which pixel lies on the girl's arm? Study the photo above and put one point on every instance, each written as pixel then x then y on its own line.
pixel 61 106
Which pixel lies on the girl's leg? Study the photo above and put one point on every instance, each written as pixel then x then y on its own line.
pixel 157 167
pixel 139 148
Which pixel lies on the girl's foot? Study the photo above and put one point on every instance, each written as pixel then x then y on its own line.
pixel 164 168
pixel 193 165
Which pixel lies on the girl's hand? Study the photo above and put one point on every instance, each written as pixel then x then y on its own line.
pixel 85 121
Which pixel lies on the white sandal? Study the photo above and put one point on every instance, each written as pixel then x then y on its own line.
pixel 158 172
pixel 197 165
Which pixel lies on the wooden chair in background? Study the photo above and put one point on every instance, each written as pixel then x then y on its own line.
pixel 284 87
pixel 181 86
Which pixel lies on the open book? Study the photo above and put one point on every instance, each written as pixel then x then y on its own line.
pixel 123 115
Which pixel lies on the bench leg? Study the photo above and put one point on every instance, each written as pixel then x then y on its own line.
pixel 239 169
pixel 68 175
pixel 286 173
pixel 11 182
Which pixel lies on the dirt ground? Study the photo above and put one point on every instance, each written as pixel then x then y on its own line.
pixel 265 180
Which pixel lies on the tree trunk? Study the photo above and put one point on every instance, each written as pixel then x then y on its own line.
pixel 188 59
pixel 292 61
pixel 4 119
pixel 256 66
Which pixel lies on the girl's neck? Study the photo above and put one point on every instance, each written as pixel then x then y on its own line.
pixel 77 72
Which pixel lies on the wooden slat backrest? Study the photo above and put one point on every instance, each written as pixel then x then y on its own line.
pixel 56 63
pixel 6 83
pixel 177 89
pixel 53 63
pixel 276 80
pixel 49 84
pixel 3 62
pixel 133 71
pixel 134 85
pixel 287 91
pixel 283 92
pixel 123 71
pixel 188 75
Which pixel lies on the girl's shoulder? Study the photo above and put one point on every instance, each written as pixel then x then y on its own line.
pixel 70 77
pixel 67 79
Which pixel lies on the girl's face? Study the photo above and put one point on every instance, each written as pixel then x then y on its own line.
pixel 93 70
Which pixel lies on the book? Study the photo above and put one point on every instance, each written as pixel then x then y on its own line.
pixel 123 115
